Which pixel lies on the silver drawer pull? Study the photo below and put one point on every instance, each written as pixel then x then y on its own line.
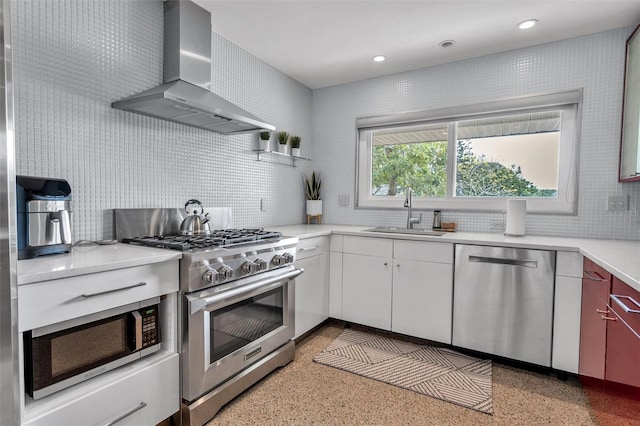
pixel 309 248
pixel 502 261
pixel 616 298
pixel 127 414
pixel 100 293
pixel 595 277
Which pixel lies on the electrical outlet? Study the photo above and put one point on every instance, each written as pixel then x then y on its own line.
pixel 343 200
pixel 617 203
pixel 497 224
pixel 263 204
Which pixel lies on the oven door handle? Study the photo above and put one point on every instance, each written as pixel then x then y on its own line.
pixel 237 294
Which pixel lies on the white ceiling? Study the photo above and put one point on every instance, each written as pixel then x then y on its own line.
pixel 326 42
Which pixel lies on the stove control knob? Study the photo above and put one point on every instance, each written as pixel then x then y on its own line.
pixel 225 273
pixel 261 265
pixel 210 276
pixel 249 267
pixel 277 260
pixel 288 258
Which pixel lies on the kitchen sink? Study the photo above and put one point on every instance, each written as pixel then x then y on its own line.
pixel 392 230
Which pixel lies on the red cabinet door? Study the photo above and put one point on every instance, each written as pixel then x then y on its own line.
pixel 593 328
pixel 623 336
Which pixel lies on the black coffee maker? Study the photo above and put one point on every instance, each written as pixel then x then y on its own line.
pixel 44 216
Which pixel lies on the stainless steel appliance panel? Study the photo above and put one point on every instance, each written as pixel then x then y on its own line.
pixel 503 302
pixel 232 326
pixel 9 364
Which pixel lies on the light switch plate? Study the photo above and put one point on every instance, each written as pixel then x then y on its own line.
pixel 617 203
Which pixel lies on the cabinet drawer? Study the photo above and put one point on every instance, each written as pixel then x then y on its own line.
pixel 50 302
pixel 423 251
pixel 145 397
pixel 312 247
pixel 631 299
pixel 594 272
pixel 380 247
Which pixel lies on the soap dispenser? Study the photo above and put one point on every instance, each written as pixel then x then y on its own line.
pixel 437 220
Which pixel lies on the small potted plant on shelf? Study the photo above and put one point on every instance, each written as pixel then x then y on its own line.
pixel 295 146
pixel 263 141
pixel 312 191
pixel 283 138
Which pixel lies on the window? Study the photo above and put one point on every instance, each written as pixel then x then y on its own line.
pixel 473 157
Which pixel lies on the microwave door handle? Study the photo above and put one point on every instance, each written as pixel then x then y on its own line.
pixel 138 328
pixel 127 414
pixel 232 296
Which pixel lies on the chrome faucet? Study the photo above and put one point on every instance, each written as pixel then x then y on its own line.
pixel 408 202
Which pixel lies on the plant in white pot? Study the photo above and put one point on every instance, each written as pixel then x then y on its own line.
pixel 312 191
pixel 295 146
pixel 263 141
pixel 283 138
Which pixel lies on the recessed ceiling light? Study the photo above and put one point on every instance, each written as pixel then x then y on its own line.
pixel 447 43
pixel 527 24
pixel 379 58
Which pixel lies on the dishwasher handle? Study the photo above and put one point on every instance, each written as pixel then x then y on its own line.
pixel 527 263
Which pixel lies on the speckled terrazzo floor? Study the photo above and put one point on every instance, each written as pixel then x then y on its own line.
pixel 305 393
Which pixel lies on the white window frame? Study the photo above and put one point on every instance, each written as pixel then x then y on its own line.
pixel 565 202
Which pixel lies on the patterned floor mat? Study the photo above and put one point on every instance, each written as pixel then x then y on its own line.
pixel 436 372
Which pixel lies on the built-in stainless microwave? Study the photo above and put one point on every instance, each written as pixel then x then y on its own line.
pixel 61 355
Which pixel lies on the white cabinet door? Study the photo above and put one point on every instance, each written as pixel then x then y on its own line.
pixel 312 293
pixel 335 285
pixel 366 290
pixel 422 299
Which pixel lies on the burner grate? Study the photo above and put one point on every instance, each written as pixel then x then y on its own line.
pixel 218 238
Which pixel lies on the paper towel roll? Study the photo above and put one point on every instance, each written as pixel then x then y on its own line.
pixel 516 217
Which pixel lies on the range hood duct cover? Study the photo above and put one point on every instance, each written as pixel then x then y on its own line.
pixel 185 97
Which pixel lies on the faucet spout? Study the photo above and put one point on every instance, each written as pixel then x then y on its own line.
pixel 408 203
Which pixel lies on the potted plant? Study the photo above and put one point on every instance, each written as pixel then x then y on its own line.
pixel 312 192
pixel 283 138
pixel 263 141
pixel 295 146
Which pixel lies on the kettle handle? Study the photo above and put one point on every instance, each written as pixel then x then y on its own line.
pixel 193 201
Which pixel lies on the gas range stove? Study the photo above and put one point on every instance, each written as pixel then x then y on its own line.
pixel 225 255
pixel 217 238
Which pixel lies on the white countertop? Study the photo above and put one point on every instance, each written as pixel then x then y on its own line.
pixel 621 258
pixel 89 259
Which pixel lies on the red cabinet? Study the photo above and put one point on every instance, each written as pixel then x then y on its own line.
pixel 623 336
pixel 610 347
pixel 596 284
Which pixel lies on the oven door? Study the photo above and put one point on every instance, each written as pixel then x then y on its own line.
pixel 231 326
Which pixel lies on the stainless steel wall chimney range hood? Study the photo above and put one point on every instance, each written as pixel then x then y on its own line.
pixel 186 97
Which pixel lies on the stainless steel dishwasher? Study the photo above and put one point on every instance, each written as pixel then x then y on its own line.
pixel 503 302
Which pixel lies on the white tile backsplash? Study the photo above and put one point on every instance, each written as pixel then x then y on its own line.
pixel 594 62
pixel 73 58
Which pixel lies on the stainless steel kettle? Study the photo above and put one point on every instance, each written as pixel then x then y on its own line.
pixel 195 223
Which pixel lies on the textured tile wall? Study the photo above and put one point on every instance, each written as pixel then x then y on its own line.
pixel 594 62
pixel 73 58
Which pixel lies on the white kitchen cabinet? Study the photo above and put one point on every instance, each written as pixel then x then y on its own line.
pixel 335 285
pixel 399 285
pixel 144 391
pixel 335 276
pixel 422 290
pixel 312 287
pixel 366 290
pixel 148 394
pixel 567 311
